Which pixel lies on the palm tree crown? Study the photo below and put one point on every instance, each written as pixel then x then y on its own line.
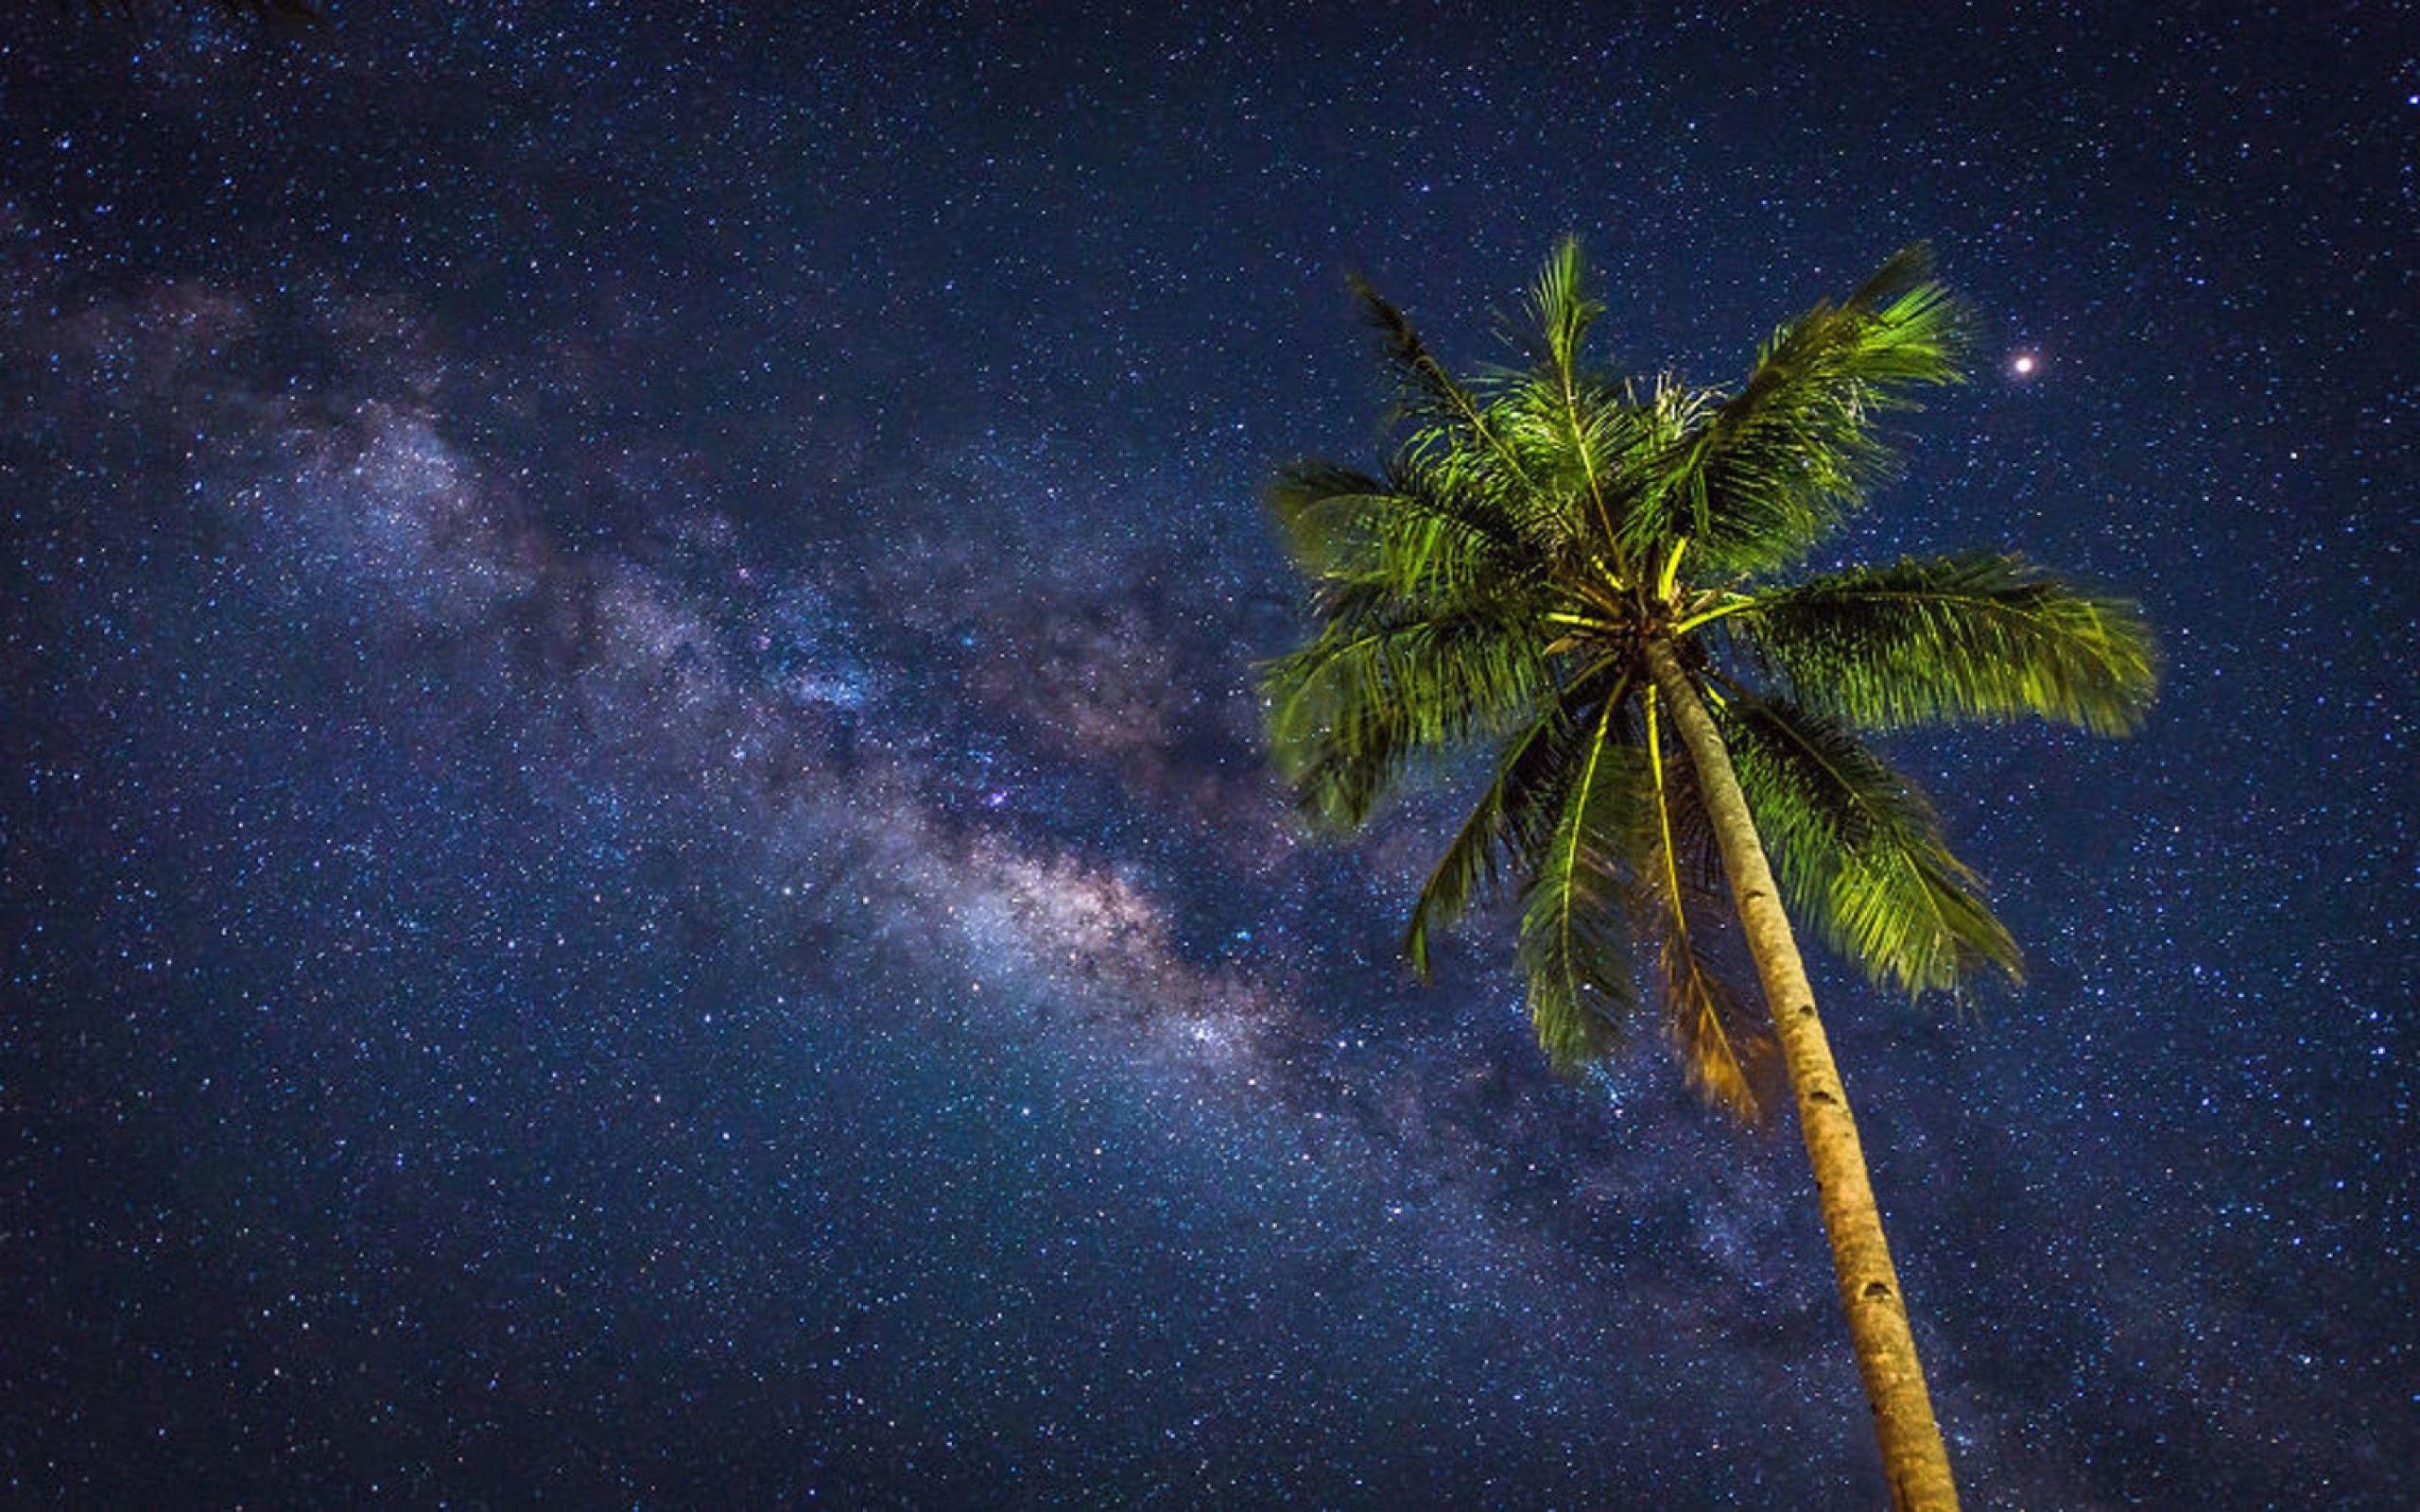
pixel 1541 533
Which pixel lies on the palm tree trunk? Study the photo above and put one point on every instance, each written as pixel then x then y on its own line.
pixel 1914 1458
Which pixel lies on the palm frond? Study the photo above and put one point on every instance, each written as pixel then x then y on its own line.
pixel 1704 1019
pixel 1777 464
pixel 1562 308
pixel 1321 506
pixel 1514 817
pixel 1584 418
pixel 1859 852
pixel 1907 272
pixel 1701 1014
pixel 1573 944
pixel 1405 534
pixel 1980 635
pixel 1371 690
pixel 1430 398
pixel 1572 433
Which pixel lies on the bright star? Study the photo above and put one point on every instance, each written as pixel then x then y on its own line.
pixel 2023 364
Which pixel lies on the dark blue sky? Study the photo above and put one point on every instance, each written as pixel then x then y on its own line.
pixel 634 859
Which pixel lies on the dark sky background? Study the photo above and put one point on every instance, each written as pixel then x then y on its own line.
pixel 636 864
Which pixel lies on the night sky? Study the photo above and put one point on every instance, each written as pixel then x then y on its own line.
pixel 636 867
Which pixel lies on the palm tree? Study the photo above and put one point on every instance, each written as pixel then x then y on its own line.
pixel 1585 575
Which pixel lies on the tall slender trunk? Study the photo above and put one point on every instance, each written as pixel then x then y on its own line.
pixel 1914 1458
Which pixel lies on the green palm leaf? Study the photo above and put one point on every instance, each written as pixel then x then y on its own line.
pixel 1513 819
pixel 1575 421
pixel 1718 1055
pixel 1859 852
pixel 1977 636
pixel 1405 534
pixel 1774 467
pixel 1449 421
pixel 1574 946
pixel 1348 710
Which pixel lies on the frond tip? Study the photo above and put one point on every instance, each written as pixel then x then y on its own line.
pixel 1703 1018
pixel 1563 309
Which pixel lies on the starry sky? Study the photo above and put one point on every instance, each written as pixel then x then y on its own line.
pixel 634 863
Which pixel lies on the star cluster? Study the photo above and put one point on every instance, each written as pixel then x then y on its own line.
pixel 635 861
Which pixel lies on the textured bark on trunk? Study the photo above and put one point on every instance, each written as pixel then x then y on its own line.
pixel 1914 1458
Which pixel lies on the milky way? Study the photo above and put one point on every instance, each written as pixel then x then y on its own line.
pixel 636 863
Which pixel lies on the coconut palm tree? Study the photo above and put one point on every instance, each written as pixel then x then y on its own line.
pixel 1589 578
